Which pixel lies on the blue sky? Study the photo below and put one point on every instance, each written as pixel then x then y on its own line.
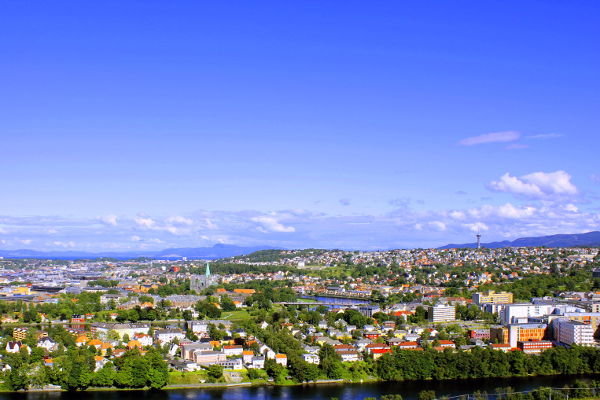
pixel 154 124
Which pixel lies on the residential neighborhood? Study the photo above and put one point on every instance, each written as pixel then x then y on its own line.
pixel 278 322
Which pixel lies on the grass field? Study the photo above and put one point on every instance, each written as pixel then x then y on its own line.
pixel 186 378
pixel 240 315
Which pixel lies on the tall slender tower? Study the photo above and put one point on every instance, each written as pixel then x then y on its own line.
pixel 478 236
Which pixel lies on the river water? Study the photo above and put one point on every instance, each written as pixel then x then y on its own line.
pixel 408 390
pixel 336 300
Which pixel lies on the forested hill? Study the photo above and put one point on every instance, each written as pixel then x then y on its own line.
pixel 590 239
pixel 272 255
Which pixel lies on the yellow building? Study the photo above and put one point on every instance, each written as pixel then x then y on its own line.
pixel 20 333
pixel 499 335
pixel 22 290
pixel 492 297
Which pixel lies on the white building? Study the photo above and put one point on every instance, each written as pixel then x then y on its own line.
pixel 311 358
pixel 47 344
pixel 13 347
pixel 202 326
pixel 145 340
pixel 442 313
pixel 188 349
pixel 258 362
pixel 102 328
pixel 232 363
pixel 349 355
pixel 169 335
pixel 521 313
pixel 233 350
pixel 281 359
pixel 208 357
pixel 573 332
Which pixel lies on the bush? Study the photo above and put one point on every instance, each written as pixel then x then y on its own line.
pixel 426 395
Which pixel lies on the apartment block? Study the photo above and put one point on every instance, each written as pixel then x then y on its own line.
pixel 441 313
pixel 573 332
pixel 492 297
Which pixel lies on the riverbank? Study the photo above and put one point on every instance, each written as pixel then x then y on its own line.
pixel 551 381
pixel 409 390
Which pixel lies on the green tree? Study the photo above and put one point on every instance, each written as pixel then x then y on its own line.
pixel 426 395
pixel 227 304
pixel 18 378
pixel 105 377
pixel 214 372
pixel 208 309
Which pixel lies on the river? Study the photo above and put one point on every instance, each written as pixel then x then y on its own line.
pixel 408 390
pixel 337 300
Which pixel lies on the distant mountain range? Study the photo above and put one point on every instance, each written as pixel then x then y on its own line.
pixel 563 240
pixel 205 253
pixel 227 250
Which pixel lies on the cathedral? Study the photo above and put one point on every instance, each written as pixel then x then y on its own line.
pixel 201 282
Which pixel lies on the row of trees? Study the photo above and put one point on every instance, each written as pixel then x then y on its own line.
pixel 76 370
pixel 485 363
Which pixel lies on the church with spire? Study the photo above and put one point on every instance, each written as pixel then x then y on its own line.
pixel 201 282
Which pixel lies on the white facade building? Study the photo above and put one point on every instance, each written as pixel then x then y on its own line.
pixel 573 332
pixel 441 313
pixel 169 335
pixel 311 358
pixel 520 313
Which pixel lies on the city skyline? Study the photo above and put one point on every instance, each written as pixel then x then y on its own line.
pixel 128 126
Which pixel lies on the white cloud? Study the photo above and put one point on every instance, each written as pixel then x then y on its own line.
pixel 178 220
pixel 537 184
pixel 172 230
pixel 571 208
pixel 509 211
pixel 270 223
pixel 26 241
pixel 558 182
pixel 477 227
pixel 145 222
pixel 398 228
pixel 68 244
pixel 110 219
pixel 437 225
pixel 545 136
pixel 3 230
pixel 512 184
pixel 455 214
pixel 506 211
pixel 494 137
pixel 209 224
